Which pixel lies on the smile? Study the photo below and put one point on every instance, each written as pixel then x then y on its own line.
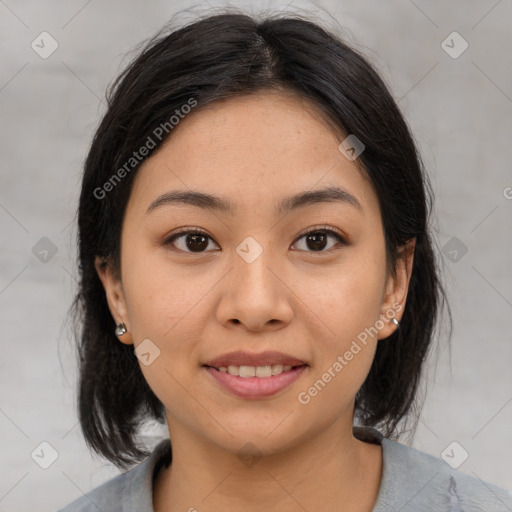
pixel 255 382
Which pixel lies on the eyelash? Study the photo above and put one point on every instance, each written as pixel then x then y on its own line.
pixel 196 231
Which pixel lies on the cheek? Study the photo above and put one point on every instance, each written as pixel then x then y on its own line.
pixel 346 298
pixel 166 306
pixel 158 294
pixel 345 345
pixel 346 305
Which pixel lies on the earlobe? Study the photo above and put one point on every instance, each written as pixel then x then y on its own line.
pixel 115 298
pixel 397 287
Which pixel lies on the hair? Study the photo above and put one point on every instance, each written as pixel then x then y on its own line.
pixel 219 57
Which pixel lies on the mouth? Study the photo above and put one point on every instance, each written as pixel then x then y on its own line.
pixel 255 376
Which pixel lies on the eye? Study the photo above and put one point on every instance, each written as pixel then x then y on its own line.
pixel 194 240
pixel 197 241
pixel 317 239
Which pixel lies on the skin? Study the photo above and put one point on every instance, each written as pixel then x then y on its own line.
pixel 194 306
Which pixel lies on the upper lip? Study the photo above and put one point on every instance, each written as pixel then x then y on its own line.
pixel 241 358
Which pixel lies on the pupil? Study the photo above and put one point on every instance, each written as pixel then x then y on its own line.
pixel 192 241
pixel 314 238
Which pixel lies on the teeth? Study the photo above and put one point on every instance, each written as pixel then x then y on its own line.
pixel 261 371
pixel 278 368
pixel 255 371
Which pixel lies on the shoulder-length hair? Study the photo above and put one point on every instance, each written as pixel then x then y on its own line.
pixel 214 58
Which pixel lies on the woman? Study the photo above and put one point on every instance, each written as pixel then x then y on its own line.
pixel 257 271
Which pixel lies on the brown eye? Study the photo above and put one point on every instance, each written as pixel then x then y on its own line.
pixel 318 240
pixel 190 241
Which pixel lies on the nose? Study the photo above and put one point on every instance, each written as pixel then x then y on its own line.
pixel 255 295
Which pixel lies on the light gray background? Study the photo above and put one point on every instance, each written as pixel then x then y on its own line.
pixel 460 110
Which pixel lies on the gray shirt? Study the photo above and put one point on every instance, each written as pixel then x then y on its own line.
pixel 412 481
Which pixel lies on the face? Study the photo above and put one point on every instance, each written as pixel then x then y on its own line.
pixel 305 279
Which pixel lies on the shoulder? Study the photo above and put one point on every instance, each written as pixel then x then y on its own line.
pixel 107 497
pixel 131 491
pixel 416 481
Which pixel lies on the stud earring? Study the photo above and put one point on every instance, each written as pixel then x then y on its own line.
pixel 396 322
pixel 120 329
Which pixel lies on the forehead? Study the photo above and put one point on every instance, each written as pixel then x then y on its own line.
pixel 270 126
pixel 252 149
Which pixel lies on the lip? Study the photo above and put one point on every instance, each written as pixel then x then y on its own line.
pixel 255 387
pixel 241 358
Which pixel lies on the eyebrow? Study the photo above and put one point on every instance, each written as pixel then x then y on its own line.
pixel 301 200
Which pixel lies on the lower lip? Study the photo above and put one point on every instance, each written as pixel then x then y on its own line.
pixel 255 387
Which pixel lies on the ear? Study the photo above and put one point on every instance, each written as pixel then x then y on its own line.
pixel 115 296
pixel 397 286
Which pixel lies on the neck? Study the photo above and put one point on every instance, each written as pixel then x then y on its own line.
pixel 331 469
